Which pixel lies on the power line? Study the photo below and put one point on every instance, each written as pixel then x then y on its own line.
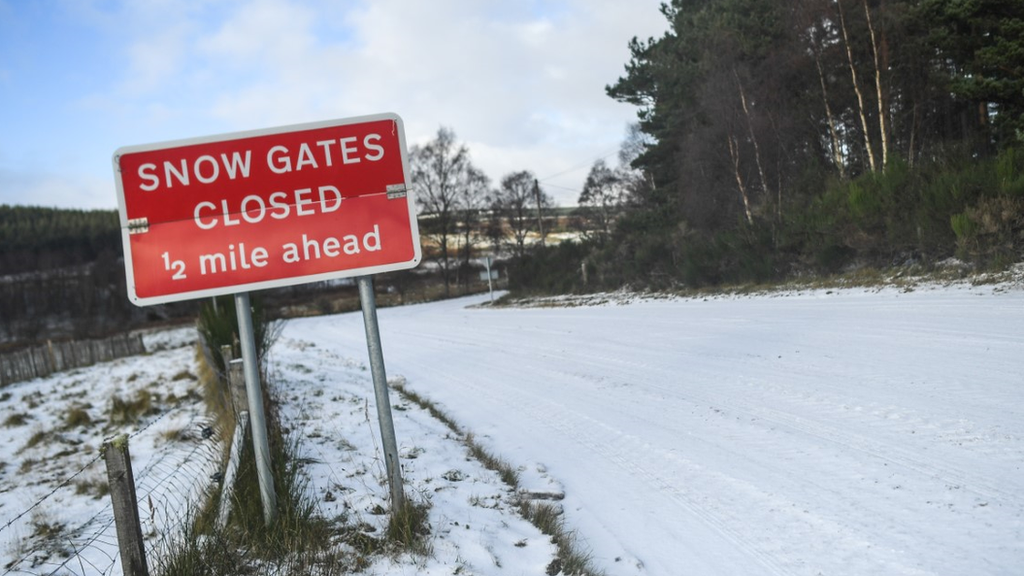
pixel 569 188
pixel 580 167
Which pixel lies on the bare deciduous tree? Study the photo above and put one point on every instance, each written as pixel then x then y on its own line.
pixel 603 193
pixel 443 179
pixel 516 202
pixel 472 202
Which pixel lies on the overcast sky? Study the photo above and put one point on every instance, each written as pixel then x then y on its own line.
pixel 520 82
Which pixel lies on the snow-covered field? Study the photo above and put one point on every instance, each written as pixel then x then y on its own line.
pixel 824 432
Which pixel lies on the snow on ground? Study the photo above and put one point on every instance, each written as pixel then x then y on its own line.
pixel 825 432
pixel 327 400
pixel 820 432
pixel 55 514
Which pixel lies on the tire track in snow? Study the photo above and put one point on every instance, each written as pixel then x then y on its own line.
pixel 624 454
pixel 627 369
pixel 845 438
pixel 624 451
pixel 892 453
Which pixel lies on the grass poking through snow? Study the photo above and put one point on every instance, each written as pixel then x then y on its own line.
pixel 572 560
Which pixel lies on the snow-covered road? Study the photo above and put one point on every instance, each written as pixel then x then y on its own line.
pixel 845 432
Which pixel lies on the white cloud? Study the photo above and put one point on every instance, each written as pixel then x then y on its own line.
pixel 155 63
pixel 263 32
pixel 521 83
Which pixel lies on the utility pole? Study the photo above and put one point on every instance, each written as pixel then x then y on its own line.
pixel 540 222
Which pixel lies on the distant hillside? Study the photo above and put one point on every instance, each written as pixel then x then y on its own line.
pixel 61 275
pixel 34 238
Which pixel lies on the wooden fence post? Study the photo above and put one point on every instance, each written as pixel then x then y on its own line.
pixel 126 507
pixel 236 385
pixel 240 403
pixel 54 367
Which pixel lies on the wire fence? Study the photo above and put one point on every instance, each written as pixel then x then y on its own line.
pixel 171 484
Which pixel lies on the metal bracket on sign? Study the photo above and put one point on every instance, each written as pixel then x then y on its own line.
pixel 396 191
pixel 138 226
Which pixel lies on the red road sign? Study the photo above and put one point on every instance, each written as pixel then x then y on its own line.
pixel 265 208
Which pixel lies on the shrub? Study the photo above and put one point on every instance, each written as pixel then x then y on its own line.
pixel 19 419
pixel 549 269
pixel 218 327
pixel 128 411
pixel 77 417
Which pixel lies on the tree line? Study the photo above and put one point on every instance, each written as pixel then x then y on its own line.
pixel 60 273
pixel 35 238
pixel 780 138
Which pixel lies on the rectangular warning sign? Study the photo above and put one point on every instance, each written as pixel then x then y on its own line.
pixel 266 208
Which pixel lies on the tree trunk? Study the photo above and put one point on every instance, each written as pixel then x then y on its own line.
pixel 467 249
pixel 869 148
pixel 540 222
pixel 882 123
pixel 445 268
pixel 913 136
pixel 734 154
pixel 753 138
pixel 837 151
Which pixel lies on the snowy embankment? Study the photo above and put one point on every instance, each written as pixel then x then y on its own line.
pixel 826 432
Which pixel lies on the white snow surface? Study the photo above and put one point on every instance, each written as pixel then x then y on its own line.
pixel 824 432
pixel 845 431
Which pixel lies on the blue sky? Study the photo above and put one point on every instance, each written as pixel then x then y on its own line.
pixel 520 83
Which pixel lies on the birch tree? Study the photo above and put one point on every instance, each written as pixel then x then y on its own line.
pixel 868 145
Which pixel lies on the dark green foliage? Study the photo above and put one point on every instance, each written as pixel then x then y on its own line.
pixel 983 43
pixel 927 212
pixel 218 326
pixel 33 238
pixel 957 206
pixel 549 269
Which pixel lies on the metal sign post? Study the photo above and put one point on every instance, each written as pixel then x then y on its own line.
pixel 257 418
pixel 380 389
